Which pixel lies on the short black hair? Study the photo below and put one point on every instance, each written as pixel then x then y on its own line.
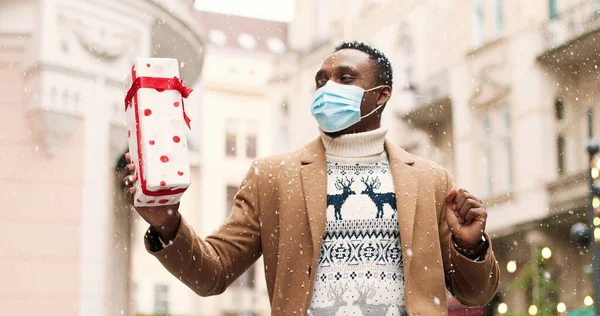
pixel 382 63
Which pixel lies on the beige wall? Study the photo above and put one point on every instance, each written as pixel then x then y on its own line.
pixel 39 260
pixel 67 245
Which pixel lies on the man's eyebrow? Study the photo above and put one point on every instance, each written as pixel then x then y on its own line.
pixel 319 73
pixel 346 68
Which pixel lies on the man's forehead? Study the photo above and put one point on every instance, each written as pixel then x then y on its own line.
pixel 349 58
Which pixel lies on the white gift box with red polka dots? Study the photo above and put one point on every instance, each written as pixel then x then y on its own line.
pixel 156 125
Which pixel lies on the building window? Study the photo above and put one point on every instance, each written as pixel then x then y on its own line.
pixel 495 152
pixel 478 21
pixel 505 152
pixel 485 163
pixel 251 141
pixel 560 154
pixel 230 144
pixel 284 137
pixel 231 138
pixel 231 192
pixel 553 6
pixel 559 109
pixel 285 109
pixel 161 299
pixel 564 130
pixel 499 17
pixel 488 20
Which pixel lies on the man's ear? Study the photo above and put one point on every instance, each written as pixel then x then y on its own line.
pixel 384 95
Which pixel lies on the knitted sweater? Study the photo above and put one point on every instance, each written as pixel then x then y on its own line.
pixel 360 269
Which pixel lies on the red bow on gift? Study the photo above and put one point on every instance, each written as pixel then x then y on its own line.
pixel 159 84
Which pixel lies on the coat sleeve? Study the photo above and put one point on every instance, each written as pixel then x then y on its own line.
pixel 473 283
pixel 208 266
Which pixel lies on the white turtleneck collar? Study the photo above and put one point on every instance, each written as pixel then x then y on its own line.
pixel 368 145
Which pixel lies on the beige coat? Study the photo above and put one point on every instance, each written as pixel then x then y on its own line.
pixel 280 211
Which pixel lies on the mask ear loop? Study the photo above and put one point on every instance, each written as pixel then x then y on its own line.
pixel 379 86
pixel 377 108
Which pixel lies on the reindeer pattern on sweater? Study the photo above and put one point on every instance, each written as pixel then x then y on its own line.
pixel 360 269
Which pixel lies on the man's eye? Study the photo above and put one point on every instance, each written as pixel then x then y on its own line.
pixel 321 82
pixel 346 79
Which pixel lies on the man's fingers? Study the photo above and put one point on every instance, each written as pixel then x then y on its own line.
pixel 128 157
pixel 462 191
pixel 467 205
pixel 471 195
pixel 452 220
pixel 451 195
pixel 477 213
pixel 461 198
pixel 128 180
pixel 130 168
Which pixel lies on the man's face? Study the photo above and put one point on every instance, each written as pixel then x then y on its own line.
pixel 353 67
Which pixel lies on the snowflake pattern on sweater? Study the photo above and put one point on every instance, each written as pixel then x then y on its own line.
pixel 360 269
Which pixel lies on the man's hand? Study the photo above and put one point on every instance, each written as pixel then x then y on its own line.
pixel 164 219
pixel 466 217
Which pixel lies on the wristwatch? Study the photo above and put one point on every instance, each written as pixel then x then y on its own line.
pixel 477 253
pixel 154 242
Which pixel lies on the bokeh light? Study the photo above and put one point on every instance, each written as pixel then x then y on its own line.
pixel 561 307
pixel 588 301
pixel 511 266
pixel 502 308
pixel 546 253
pixel 533 310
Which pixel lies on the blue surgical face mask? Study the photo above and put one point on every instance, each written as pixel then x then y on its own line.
pixel 337 106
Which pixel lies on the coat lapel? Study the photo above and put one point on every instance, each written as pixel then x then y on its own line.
pixel 406 183
pixel 314 184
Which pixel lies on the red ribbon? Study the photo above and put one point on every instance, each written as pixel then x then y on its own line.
pixel 160 85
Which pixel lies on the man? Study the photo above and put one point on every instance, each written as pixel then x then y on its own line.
pixel 348 225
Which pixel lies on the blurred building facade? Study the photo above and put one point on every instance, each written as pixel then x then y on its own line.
pixel 69 247
pixel 75 246
pixel 496 92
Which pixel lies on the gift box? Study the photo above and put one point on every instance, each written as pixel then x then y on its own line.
pixel 156 126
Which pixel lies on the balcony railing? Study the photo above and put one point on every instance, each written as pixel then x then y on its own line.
pixel 435 90
pixel 578 20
